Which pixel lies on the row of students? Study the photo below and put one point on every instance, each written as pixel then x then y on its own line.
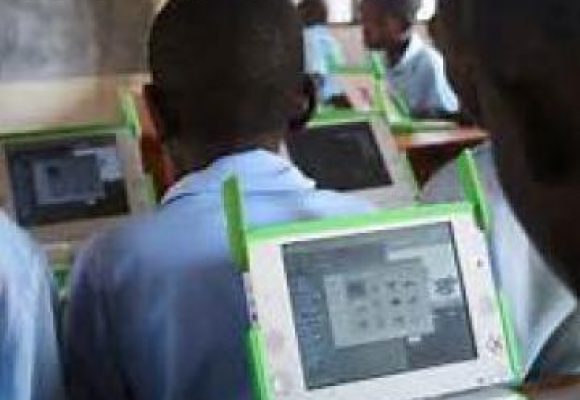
pixel 416 71
pixel 157 311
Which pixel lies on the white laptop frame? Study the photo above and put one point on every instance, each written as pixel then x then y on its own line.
pixel 269 295
pixel 403 191
pixel 136 185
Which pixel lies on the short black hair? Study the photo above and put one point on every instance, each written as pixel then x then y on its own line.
pixel 226 67
pixel 404 10
pixel 313 12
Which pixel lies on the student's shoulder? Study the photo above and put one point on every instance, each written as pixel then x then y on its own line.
pixel 116 246
pixel 429 59
pixel 20 255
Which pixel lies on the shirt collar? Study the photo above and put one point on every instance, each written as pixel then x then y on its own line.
pixel 257 171
pixel 415 46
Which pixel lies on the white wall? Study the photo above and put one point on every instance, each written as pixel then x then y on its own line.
pixel 340 11
pixel 45 101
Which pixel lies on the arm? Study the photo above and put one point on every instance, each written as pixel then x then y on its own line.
pixel 439 99
pixel 30 367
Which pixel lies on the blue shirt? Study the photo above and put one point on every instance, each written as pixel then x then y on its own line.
pixel 29 354
pixel 157 309
pixel 544 311
pixel 420 78
pixel 320 50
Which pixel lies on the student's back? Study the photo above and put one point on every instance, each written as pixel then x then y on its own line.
pixel 165 301
pixel 157 308
pixel 29 356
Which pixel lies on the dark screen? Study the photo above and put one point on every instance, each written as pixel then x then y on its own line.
pixel 340 157
pixel 62 180
pixel 378 304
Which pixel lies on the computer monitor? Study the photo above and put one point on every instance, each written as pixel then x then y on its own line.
pixel 66 186
pixel 368 90
pixel 396 305
pixel 357 156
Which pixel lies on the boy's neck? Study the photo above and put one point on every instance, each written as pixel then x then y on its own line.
pixel 201 157
pixel 395 53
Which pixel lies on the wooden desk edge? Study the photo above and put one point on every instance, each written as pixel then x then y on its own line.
pixel 431 139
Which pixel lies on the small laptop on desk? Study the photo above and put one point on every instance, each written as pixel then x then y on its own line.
pixel 367 89
pixel 355 154
pixel 65 184
pixel 397 305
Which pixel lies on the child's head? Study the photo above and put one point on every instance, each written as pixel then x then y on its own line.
pixel 525 62
pixel 313 12
pixel 387 23
pixel 226 73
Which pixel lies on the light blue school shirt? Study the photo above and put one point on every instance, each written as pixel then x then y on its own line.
pixel 320 50
pixel 157 309
pixel 420 78
pixel 30 367
pixel 545 313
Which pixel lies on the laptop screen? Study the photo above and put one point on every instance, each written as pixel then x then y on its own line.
pixel 342 157
pixel 63 180
pixel 378 304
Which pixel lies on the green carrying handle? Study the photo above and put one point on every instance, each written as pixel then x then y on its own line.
pixel 473 189
pixel 236 222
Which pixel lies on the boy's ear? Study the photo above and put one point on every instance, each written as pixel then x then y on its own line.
pixel 303 104
pixel 161 113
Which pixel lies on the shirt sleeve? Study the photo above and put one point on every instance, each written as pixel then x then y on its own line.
pixel 30 367
pixel 440 97
pixel 314 60
pixel 319 49
pixel 92 369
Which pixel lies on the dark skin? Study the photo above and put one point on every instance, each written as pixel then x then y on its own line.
pixel 192 157
pixel 384 32
pixel 191 153
pixel 530 108
pixel 460 64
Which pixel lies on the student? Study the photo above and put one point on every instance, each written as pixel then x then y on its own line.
pixel 321 49
pixel 527 55
pixel 545 313
pixel 415 70
pixel 157 309
pixel 29 354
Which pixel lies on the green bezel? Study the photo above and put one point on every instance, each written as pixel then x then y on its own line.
pixel 514 349
pixel 473 189
pixel 236 222
pixel 261 388
pixel 416 213
pixel 129 124
pixel 333 116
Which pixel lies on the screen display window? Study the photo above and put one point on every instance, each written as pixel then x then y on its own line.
pixel 378 304
pixel 65 180
pixel 342 157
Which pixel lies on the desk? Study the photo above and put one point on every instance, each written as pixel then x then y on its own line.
pixel 429 151
pixel 561 388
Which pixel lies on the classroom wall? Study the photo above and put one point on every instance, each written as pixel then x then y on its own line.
pixel 351 40
pixel 62 61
